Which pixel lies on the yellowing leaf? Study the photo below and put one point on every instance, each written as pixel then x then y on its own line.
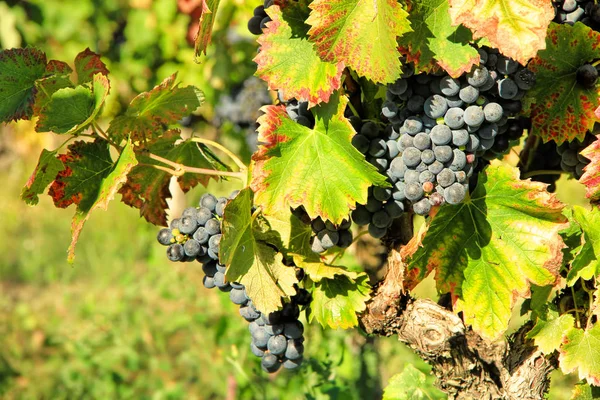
pixel 489 249
pixel 248 250
pixel 317 168
pixel 360 33
pixel 591 176
pixel 548 334
pixel 282 45
pixel 515 27
pixel 581 352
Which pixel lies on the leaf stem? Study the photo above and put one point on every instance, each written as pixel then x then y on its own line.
pixel 576 308
pixel 104 136
pixel 180 169
pixel 541 172
pixel 224 149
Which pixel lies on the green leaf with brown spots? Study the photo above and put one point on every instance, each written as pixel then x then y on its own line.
pixel 282 44
pixel 45 172
pixel 318 168
pixel 248 249
pixel 434 41
pixel 561 109
pixel 360 33
pixel 580 352
pixel 489 249
pixel 88 64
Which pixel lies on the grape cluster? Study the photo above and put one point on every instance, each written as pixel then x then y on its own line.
pixel 380 147
pixel 299 113
pixel 446 124
pixel 326 234
pixel 258 22
pixel 570 159
pixel 277 338
pixel 571 11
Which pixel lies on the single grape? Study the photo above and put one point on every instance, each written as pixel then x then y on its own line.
pixel 460 137
pixel 376 232
pixel 294 349
pixel 507 88
pixel 328 238
pixel 454 101
pixel 569 157
pixel 411 157
pixel 373 204
pixel 415 103
pixel 392 149
pixel 381 193
pixel 277 344
pixel 398 87
pixel 370 130
pixel 411 176
pixel 477 77
pixel 238 296
pixel 361 143
pixel 413 125
pixel 214 241
pixel 316 245
pixel 587 75
pixel 164 236
pixel 435 106
pixel 201 235
pixel 449 86
pixel 175 252
pixel 443 154
pixel 188 225
pixel 393 208
pixel 506 66
pixel 361 216
pixel 345 239
pixel 422 207
pixel 293 330
pixel 256 351
pixel 488 131
pixel 427 156
pixel 458 161
pixel 405 142
pixel 413 191
pixel 469 94
pixel 525 79
pixel 378 148
pixel 254 25
pixel 381 219
pixel 292 364
pixel 436 167
pixel 455 193
pixel 317 225
pixel 454 118
pixel 422 141
pixel 203 215
pixel 446 177
pixel 398 193
pixel 213 226
pixel 270 363
pixel 474 116
pixel 209 201
pixel 192 248
pixel 249 313
pixel 440 135
pixel 389 109
pixel 493 112
pixel 208 282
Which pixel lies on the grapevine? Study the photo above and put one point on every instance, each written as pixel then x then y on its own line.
pixel 440 129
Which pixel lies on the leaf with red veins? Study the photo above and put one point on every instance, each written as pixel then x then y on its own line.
pixel 317 168
pixel 282 44
pixel 86 164
pixel 591 175
pixel 88 64
pixel 515 27
pixel 360 33
pixel 561 109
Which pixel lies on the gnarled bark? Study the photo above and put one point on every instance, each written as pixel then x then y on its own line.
pixel 466 365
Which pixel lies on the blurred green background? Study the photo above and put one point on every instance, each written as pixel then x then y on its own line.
pixel 123 322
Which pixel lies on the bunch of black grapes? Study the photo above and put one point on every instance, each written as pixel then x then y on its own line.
pixel 277 338
pixel 441 127
pixel 258 22
pixel 572 11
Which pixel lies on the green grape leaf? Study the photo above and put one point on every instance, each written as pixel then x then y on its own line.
pixel 45 172
pixel 317 168
pixel 207 20
pixel 434 41
pixel 589 220
pixel 581 351
pixel 585 265
pixel 88 64
pixel 360 33
pixel 69 110
pixel 412 384
pixel 281 45
pixel 46 87
pixel 489 249
pixel 108 188
pixel 517 27
pixel 591 175
pixel 585 391
pixel 561 109
pixel 147 188
pixel 86 165
pixel 336 301
pixel 248 249
pixel 548 334
pixel 165 104
pixel 19 69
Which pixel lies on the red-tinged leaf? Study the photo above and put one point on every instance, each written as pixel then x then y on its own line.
pixel 19 69
pixel 147 188
pixel 70 110
pixel 360 33
pixel 86 166
pixel 207 20
pixel 88 64
pixel 108 189
pixel 317 168
pixel 580 351
pixel 282 44
pixel 56 67
pixel 45 172
pixel 434 41
pixel 591 175
pixel 515 27
pixel 488 250
pixel 561 109
pixel 165 104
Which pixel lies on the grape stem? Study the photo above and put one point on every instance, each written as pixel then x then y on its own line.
pixel 180 169
pixel 541 172
pixel 224 149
